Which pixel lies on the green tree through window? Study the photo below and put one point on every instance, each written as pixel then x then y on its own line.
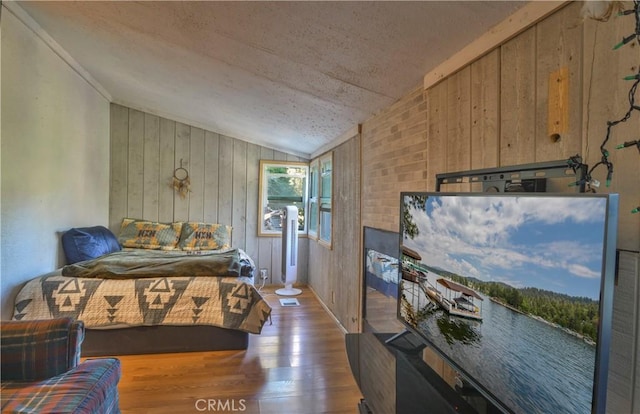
pixel 282 184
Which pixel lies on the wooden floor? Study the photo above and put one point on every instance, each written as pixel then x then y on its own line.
pixel 297 365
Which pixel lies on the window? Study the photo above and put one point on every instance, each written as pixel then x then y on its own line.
pixel 282 184
pixel 314 186
pixel 320 205
pixel 325 204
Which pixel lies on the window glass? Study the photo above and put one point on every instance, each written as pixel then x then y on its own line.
pixel 282 184
pixel 325 202
pixel 314 184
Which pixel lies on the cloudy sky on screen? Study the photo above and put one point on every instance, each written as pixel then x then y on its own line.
pixel 552 243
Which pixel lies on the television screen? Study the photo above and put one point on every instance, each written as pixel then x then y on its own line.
pixel 514 291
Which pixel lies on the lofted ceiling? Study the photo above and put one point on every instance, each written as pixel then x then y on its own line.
pixel 292 76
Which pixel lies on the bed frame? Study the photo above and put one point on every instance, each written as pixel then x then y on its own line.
pixel 161 339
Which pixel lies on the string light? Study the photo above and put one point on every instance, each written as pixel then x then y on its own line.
pixel 604 159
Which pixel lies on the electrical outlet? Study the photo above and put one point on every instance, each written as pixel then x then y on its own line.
pixel 263 274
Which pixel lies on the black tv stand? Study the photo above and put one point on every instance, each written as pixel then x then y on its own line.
pixel 393 377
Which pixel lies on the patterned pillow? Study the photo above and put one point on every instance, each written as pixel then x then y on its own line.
pixel 149 235
pixel 204 236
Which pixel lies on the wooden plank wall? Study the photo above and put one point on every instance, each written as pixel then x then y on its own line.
pixel 605 98
pixel 224 174
pixel 333 273
pixel 494 112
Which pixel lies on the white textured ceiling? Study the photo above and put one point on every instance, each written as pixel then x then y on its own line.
pixel 292 76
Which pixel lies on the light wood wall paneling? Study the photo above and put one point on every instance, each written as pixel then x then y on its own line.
pixel 151 168
pixel 517 99
pixel 224 174
pixel 239 202
pixel 633 273
pixel 509 93
pixel 225 180
pixel 119 119
pixel 346 252
pixel 485 111
pixel 334 274
pixel 624 359
pixel 459 125
pixel 181 159
pixel 135 179
pixel 196 175
pixel 167 167
pixel 211 176
pixel 606 99
pixel 303 260
pixel 319 274
pixel 437 133
pixel 559 46
pixel 251 226
pixel 276 259
pixel 265 244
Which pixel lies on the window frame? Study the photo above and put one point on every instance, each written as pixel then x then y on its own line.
pixel 314 197
pixel 323 202
pixel 325 159
pixel 263 196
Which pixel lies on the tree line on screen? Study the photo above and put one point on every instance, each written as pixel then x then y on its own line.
pixel 578 314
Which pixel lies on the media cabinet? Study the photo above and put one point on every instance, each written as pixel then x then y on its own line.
pixel 393 378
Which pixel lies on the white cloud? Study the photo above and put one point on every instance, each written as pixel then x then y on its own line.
pixel 478 230
pixel 582 271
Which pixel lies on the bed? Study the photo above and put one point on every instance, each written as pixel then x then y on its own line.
pixel 138 300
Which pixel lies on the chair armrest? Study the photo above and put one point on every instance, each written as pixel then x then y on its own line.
pixel 36 350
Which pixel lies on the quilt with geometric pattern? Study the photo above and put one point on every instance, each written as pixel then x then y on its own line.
pixel 229 302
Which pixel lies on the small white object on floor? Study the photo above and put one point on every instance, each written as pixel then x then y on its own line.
pixel 289 302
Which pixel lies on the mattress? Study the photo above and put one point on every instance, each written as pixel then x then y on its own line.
pixel 174 298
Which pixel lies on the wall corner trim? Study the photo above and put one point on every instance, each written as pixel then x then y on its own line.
pixel 23 16
pixel 522 19
pixel 346 136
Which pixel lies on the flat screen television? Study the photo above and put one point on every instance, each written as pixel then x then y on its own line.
pixel 515 292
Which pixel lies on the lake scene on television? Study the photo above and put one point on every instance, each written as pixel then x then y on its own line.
pixel 508 289
pixel 381 273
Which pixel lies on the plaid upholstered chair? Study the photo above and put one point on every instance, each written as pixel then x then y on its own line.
pixel 42 372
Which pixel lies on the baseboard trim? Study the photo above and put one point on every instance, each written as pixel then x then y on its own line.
pixel 326 308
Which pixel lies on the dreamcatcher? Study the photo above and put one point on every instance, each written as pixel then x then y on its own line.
pixel 181 182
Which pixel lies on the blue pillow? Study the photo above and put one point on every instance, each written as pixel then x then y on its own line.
pixel 87 243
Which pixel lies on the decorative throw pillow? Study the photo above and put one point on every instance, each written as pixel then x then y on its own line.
pixel 205 236
pixel 149 235
pixel 85 243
